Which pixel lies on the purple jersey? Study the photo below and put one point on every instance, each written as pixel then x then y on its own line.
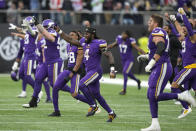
pixel 152 47
pixel 52 49
pixel 188 52
pixel 125 48
pixel 72 52
pixel 39 55
pixel 29 45
pixel 21 50
pixel 92 53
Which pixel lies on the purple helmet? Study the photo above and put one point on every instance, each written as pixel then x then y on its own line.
pixel 30 21
pixel 48 23
pixel 15 75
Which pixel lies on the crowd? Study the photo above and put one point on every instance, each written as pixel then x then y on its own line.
pixel 128 7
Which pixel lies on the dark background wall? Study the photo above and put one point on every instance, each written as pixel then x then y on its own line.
pixel 108 33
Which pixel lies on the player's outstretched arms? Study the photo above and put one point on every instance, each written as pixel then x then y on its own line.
pixel 18 35
pixel 138 48
pixel 14 27
pixel 66 37
pixel 178 27
pixel 188 25
pixel 110 46
pixel 43 31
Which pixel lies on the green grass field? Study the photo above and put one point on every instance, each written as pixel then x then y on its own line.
pixel 132 112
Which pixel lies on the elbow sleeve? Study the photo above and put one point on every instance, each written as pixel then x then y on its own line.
pixel 160 48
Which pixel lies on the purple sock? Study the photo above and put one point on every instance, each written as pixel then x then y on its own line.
pixel 102 102
pixel 125 82
pixel 153 107
pixel 47 89
pixel 167 96
pixel 81 98
pixel 24 85
pixel 66 88
pixel 37 88
pixel 55 98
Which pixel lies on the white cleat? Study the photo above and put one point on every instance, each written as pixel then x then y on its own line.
pixel 26 105
pixel 185 113
pixel 186 96
pixel 23 94
pixel 98 111
pixel 78 101
pixel 154 126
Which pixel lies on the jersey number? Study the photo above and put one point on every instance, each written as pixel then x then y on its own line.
pixel 123 48
pixel 183 47
pixel 26 40
pixel 72 57
pixel 86 55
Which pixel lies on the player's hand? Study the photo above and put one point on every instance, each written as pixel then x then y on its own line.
pixel 150 65
pixel 35 20
pixel 172 18
pixel 15 66
pixel 142 57
pixel 71 74
pixel 181 11
pixel 57 28
pixel 12 26
pixel 112 72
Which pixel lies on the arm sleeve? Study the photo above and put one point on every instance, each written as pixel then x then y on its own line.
pixel 188 25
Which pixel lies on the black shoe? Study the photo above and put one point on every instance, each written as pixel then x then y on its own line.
pixel 123 92
pixel 111 117
pixel 139 84
pixel 31 104
pixel 92 110
pixel 48 101
pixel 55 114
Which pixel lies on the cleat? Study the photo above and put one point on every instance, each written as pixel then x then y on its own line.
pixel 186 96
pixel 78 101
pixel 32 103
pixel 91 111
pixel 123 92
pixel 155 126
pixel 98 111
pixel 23 94
pixel 139 84
pixel 185 112
pixel 55 114
pixel 111 117
pixel 48 101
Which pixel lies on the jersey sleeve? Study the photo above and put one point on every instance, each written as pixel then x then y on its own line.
pixel 132 40
pixel 158 32
pixel 53 33
pixel 82 41
pixel 102 44
pixel 118 38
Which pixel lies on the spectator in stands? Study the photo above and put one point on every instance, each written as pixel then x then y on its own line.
pixel 56 6
pixel 34 5
pixel 22 7
pixel 108 6
pixel 97 6
pixel 77 5
pixel 11 12
pixel 67 6
pixel 116 17
pixel 127 17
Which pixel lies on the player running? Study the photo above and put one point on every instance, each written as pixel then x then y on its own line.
pixel 75 58
pixel 161 70
pixel 51 57
pixel 93 48
pixel 125 43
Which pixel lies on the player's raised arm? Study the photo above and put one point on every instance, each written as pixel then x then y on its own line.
pixel 14 27
pixel 43 31
pixel 112 45
pixel 66 37
pixel 138 48
pixel 18 35
pixel 188 25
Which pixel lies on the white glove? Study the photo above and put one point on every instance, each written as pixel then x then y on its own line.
pixel 12 27
pixel 181 11
pixel 172 18
pixel 112 72
pixel 150 65
pixel 142 57
pixel 15 66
